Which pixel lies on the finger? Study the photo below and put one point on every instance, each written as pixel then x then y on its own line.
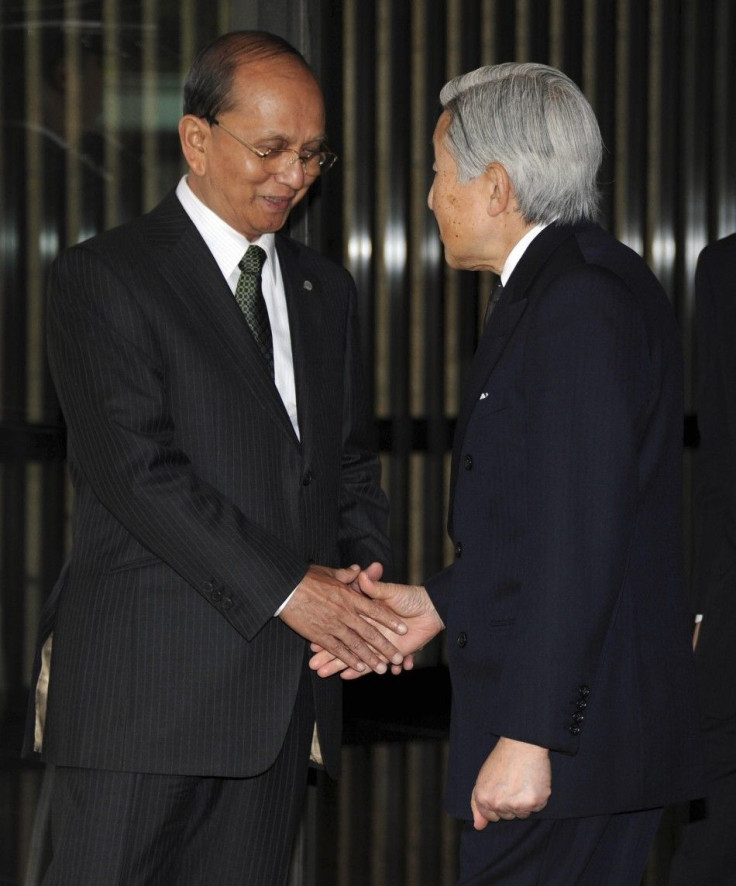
pixel 370 637
pixel 367 646
pixel 320 658
pixel 347 575
pixel 352 674
pixel 334 667
pixel 384 616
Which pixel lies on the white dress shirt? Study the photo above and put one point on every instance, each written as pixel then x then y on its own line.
pixel 228 247
pixel 514 257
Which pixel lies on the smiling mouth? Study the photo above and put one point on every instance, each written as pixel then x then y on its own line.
pixel 278 202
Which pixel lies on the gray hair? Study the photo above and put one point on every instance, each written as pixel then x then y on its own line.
pixel 535 122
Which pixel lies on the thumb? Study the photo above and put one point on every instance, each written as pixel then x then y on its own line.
pixel 374 571
pixel 371 586
pixel 479 821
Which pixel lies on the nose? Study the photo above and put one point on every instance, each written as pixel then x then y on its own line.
pixel 293 174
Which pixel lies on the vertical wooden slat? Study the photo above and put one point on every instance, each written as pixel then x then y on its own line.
pixel 723 189
pixel 111 112
pixel 149 104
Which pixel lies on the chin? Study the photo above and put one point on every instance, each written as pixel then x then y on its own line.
pixel 453 261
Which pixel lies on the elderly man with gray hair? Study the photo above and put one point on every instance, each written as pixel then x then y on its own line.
pixel 574 716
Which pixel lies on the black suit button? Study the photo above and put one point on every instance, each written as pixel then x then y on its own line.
pixel 227 602
pixel 207 587
pixel 575 730
pixel 584 691
pixel 581 705
pixel 462 639
pixel 215 596
pixel 468 462
pixel 459 549
pixel 577 717
pixel 307 478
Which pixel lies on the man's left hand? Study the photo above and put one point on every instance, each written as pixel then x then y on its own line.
pixel 515 781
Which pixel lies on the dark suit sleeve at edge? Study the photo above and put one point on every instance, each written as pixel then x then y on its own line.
pixel 714 475
pixel 110 389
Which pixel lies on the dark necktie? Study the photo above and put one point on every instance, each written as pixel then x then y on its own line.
pixel 496 293
pixel 249 296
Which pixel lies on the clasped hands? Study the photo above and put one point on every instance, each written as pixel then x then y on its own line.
pixel 357 624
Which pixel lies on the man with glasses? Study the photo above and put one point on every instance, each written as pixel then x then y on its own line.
pixel 208 370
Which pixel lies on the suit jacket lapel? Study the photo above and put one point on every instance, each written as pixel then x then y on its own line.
pixel 500 328
pixel 189 269
pixel 305 328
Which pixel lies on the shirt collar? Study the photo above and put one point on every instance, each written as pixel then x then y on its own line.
pixel 521 247
pixel 227 245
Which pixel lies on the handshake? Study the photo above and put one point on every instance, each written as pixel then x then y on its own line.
pixel 357 624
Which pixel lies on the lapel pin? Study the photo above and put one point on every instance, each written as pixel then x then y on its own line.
pixel 308 285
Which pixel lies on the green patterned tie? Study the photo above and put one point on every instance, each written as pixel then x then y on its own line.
pixel 250 299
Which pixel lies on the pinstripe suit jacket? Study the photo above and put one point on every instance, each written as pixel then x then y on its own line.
pixel 197 509
pixel 564 607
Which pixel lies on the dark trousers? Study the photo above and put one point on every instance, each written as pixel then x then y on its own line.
pixel 131 829
pixel 707 853
pixel 601 850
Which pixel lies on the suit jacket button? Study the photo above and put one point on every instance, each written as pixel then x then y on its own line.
pixel 462 639
pixel 459 549
pixel 584 691
pixel 207 587
pixel 227 603
pixel 468 462
pixel 215 596
pixel 575 730
pixel 307 478
pixel 577 717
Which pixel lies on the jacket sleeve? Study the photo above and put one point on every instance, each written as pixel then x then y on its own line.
pixel 714 475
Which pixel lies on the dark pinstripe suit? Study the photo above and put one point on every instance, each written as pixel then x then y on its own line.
pixel 564 608
pixel 197 508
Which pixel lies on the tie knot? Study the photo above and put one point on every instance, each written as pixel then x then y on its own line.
pixel 253 260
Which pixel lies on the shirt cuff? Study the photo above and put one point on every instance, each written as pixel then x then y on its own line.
pixel 281 608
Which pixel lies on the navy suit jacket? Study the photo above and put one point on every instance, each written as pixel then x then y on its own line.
pixel 714 487
pixel 565 610
pixel 197 508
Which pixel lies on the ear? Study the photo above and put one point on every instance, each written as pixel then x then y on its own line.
pixel 500 189
pixel 194 135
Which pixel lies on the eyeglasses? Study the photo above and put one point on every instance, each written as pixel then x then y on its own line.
pixel 278 160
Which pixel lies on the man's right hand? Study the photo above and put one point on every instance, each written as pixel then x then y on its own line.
pixel 326 612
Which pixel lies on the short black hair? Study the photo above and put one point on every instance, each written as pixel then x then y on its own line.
pixel 207 91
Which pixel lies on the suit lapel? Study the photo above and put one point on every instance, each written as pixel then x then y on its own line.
pixel 305 326
pixel 500 328
pixel 189 269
